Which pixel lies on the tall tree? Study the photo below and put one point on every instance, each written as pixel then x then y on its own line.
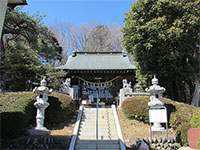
pixel 87 37
pixel 27 45
pixel 92 37
pixel 98 39
pixel 80 35
pixel 62 32
pixel 163 36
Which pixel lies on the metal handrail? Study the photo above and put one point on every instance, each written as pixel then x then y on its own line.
pixel 97 120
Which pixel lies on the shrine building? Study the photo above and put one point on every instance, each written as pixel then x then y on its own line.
pixel 98 74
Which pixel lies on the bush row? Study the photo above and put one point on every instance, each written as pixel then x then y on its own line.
pixel 179 114
pixel 18 112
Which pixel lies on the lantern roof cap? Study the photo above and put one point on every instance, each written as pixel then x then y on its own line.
pixel 155 88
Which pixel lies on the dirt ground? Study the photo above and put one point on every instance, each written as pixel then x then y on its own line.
pixel 131 128
pixel 65 128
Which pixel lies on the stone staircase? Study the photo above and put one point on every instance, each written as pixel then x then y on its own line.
pixel 107 132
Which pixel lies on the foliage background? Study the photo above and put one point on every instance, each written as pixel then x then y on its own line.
pixel 29 51
pixel 163 36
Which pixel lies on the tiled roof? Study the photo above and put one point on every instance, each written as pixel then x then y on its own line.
pixel 98 61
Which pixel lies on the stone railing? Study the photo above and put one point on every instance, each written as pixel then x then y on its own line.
pixel 75 133
pixel 124 95
pixel 136 94
pixel 119 132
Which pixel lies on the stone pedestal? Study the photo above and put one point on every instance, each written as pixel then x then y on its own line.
pixel 157 127
pixel 40 115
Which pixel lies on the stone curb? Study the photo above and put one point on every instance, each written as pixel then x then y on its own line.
pixel 119 132
pixel 75 133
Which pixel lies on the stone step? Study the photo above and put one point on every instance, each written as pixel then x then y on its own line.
pixel 100 141
pixel 111 125
pixel 94 138
pixel 100 137
pixel 107 132
pixel 95 148
pixel 100 131
pixel 101 146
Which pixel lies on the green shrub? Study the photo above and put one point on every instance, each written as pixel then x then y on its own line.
pixel 17 111
pixel 180 119
pixel 199 143
pixel 60 108
pixel 182 133
pixel 136 108
pixel 179 114
pixel 195 121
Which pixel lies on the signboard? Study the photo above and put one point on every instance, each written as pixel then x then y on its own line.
pixel 91 98
pixel 158 115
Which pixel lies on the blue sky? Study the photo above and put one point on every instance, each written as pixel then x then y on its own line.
pixel 80 11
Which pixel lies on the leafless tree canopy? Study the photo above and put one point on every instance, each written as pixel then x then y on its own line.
pixel 87 37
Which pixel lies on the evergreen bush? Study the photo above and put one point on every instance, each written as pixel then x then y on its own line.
pixel 179 114
pixel 136 108
pixel 195 121
pixel 60 108
pixel 17 111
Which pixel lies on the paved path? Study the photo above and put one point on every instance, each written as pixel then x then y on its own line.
pixel 107 132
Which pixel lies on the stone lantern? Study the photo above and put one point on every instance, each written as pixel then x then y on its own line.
pixel 155 93
pixel 41 104
pixel 155 101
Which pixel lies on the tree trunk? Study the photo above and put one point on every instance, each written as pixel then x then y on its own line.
pixel 2 68
pixel 196 97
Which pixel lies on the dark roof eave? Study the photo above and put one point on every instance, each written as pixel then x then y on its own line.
pixel 15 4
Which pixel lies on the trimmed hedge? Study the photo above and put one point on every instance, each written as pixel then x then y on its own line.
pixel 18 112
pixel 136 108
pixel 60 108
pixel 179 114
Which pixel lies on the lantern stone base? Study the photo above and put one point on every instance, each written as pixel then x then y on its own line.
pixel 39 131
pixel 157 127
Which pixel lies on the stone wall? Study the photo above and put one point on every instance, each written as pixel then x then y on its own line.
pixel 158 143
pixel 37 142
